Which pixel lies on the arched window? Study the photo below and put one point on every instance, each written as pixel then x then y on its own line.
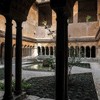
pixel 43 50
pixel 93 51
pixel 47 51
pixel 88 51
pixel 39 50
pixel 51 50
pixel 87 8
pixel 82 51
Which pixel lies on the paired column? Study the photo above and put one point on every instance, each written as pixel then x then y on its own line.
pixel 61 55
pixel 8 60
pixel 18 61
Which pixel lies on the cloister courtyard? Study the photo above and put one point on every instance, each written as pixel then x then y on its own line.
pixel 50 50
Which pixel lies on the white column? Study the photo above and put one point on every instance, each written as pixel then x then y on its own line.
pixel 35 51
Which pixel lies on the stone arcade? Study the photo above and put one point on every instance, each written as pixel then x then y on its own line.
pixel 28 37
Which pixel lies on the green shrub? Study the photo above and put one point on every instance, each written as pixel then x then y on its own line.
pixel 48 62
pixel 1 86
pixel 25 84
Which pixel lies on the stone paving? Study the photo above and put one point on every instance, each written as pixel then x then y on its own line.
pixel 95 69
pixel 28 74
pixel 96 76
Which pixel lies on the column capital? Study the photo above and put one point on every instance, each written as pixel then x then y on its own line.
pixel 8 21
pixel 19 24
pixel 62 12
pixel 19 21
pixel 61 3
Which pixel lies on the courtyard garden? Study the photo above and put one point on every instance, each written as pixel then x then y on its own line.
pixel 80 86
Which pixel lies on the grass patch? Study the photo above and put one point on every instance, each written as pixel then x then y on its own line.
pixel 83 65
pixel 80 87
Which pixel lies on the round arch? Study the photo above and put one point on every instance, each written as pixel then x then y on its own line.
pixel 87 51
pixel 51 50
pixel 93 51
pixel 47 50
pixel 82 51
pixel 43 50
pixel 39 50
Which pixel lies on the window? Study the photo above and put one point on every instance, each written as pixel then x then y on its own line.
pixel 87 8
pixel 45 14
